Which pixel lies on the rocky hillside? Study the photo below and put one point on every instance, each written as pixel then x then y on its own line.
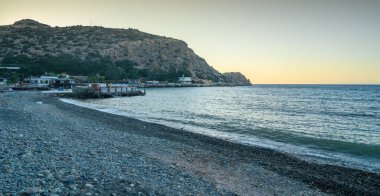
pixel 90 50
pixel 237 78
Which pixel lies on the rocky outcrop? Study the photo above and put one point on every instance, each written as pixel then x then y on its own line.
pixel 93 49
pixel 237 78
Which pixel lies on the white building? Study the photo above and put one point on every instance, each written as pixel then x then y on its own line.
pixel 184 80
pixel 10 68
pixel 43 81
pixel 153 82
pixel 50 81
pixel 3 81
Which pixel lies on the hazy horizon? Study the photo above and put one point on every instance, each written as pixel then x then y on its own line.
pixel 270 42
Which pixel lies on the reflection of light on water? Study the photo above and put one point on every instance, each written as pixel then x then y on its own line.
pixel 295 120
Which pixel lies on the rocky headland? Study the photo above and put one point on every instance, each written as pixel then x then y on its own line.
pixel 110 52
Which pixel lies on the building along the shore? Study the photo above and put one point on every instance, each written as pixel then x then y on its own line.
pixel 10 68
pixel 184 80
pixel 50 81
pixel 155 82
pixel 3 81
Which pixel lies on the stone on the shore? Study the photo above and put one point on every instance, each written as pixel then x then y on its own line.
pixel 49 176
pixel 73 187
pixel 57 190
pixel 33 190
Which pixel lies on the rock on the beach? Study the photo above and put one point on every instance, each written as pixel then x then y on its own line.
pixel 73 187
pixel 33 190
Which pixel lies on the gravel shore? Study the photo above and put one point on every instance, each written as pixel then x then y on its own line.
pixel 48 147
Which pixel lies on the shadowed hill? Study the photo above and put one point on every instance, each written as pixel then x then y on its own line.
pixel 88 50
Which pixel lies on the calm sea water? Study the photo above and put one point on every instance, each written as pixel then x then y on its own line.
pixel 337 124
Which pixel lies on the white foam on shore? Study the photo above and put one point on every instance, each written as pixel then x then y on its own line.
pixel 302 152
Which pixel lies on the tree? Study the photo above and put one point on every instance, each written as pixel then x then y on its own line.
pixel 96 78
pixel 14 78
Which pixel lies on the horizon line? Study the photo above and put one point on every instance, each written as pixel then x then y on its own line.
pixel 353 84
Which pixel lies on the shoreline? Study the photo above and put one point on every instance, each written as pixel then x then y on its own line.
pixel 267 152
pixel 190 158
pixel 312 155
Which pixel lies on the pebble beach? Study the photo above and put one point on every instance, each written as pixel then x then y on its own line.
pixel 53 148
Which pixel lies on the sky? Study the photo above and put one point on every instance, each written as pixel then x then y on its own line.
pixel 269 41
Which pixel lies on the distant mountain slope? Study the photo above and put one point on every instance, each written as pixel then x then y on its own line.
pixel 115 53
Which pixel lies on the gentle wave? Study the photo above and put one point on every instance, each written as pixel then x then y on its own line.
pixel 299 147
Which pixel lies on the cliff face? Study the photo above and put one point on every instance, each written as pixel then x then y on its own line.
pixel 116 53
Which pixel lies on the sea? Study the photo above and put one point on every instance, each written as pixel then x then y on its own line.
pixel 330 124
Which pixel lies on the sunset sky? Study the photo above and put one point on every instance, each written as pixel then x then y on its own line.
pixel 283 41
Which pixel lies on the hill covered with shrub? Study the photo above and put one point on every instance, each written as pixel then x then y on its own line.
pixel 90 50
